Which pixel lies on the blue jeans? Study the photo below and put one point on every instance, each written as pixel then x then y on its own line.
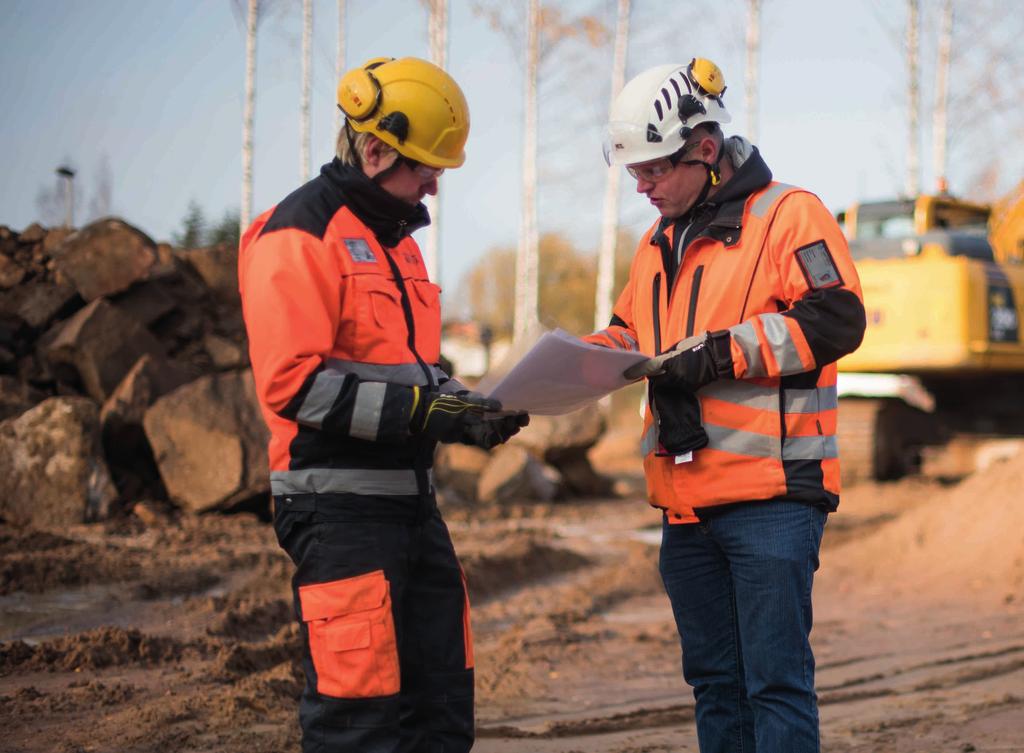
pixel 740 587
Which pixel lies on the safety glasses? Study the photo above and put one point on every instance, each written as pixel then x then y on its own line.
pixel 424 172
pixel 655 170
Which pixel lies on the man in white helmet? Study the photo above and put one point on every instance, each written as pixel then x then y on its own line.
pixel 744 295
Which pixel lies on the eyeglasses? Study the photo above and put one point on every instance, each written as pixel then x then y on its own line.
pixel 654 171
pixel 424 172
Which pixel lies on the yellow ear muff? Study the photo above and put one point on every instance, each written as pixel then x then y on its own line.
pixel 707 76
pixel 359 94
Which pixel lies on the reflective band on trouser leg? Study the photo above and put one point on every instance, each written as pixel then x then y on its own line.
pixel 368 481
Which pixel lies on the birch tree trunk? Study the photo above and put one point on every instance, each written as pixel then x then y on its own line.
pixel 753 66
pixel 913 100
pixel 526 316
pixel 339 63
pixel 245 213
pixel 438 30
pixel 940 122
pixel 307 80
pixel 610 215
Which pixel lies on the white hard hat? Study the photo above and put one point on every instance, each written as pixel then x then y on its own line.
pixel 655 112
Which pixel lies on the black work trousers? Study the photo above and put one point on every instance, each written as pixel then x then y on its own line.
pixel 387 644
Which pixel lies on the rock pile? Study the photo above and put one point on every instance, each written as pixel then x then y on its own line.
pixel 124 378
pixel 122 364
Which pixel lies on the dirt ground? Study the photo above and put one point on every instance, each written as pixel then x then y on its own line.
pixel 176 634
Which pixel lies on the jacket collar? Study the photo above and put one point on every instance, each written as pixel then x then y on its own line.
pixel 389 218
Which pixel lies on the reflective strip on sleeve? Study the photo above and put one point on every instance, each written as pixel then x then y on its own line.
pixel 780 340
pixel 745 336
pixel 740 442
pixel 764 202
pixel 810 448
pixel 344 481
pixel 812 401
pixel 321 396
pixel 747 394
pixel 366 412
pixel 408 374
pixel 631 344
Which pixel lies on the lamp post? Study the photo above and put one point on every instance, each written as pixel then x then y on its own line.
pixel 69 195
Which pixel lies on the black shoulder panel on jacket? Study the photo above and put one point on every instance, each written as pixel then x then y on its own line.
pixel 310 207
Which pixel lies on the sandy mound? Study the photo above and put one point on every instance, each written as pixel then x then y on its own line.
pixel 965 540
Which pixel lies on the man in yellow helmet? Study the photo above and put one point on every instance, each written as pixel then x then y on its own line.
pixel 744 295
pixel 344 336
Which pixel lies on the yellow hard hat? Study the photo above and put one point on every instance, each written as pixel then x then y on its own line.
pixel 409 104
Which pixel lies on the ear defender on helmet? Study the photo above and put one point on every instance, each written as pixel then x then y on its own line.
pixel 359 91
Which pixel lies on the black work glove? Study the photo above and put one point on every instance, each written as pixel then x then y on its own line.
pixel 691 363
pixel 491 432
pixel 677 413
pixel 446 416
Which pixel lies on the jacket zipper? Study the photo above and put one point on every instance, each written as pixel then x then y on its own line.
pixel 656 297
pixel 426 451
pixel 691 315
pixel 410 324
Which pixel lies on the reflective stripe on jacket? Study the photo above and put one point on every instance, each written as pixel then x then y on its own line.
pixel 759 270
pixel 340 328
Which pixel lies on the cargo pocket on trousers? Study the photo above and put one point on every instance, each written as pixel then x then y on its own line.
pixel 352 636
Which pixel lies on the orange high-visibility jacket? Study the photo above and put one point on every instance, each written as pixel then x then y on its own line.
pixel 342 322
pixel 773 269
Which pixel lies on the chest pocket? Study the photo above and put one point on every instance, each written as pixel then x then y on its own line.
pixel 372 327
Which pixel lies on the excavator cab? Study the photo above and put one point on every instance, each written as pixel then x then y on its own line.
pixel 943 355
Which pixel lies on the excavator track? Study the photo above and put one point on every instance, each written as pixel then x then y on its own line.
pixel 881 439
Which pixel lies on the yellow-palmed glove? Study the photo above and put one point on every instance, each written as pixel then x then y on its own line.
pixel 446 416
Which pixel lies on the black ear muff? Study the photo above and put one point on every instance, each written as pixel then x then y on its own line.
pixel 359 94
pixel 397 124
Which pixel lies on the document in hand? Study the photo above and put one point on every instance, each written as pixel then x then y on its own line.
pixel 562 373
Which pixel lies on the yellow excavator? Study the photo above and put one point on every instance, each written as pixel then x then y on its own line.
pixel 941 370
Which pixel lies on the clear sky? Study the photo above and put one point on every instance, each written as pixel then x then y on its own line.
pixel 155 87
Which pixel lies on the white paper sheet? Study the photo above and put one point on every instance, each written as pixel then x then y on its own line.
pixel 561 373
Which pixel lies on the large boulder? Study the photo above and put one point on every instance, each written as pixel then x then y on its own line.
pixel 101 344
pixel 16 397
pixel 106 257
pixel 210 441
pixel 52 471
pixel 124 440
pixel 553 438
pixel 457 467
pixel 563 442
pixel 513 475
pixel 217 266
pixel 36 303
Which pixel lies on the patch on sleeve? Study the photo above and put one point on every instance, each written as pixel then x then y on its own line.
pixel 359 250
pixel 817 265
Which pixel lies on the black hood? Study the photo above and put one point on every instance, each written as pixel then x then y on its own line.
pixel 390 218
pixel 750 175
